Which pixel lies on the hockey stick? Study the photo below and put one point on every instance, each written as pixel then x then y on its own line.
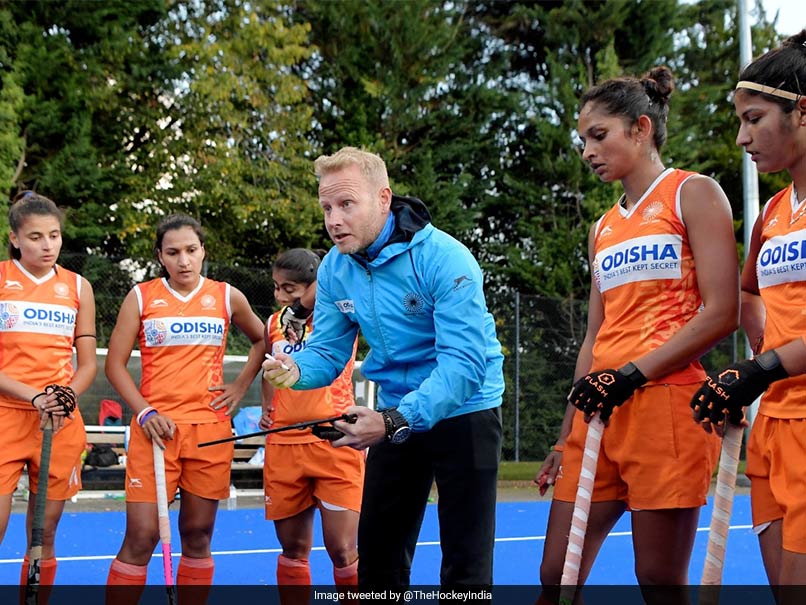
pixel 38 522
pixel 164 522
pixel 299 425
pixel 582 505
pixel 723 503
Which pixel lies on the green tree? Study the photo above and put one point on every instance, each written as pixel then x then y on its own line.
pixel 537 226
pixel 236 153
pixel 702 123
pixel 74 62
pixel 12 140
pixel 414 82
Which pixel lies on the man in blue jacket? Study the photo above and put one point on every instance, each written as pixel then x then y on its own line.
pixel 417 295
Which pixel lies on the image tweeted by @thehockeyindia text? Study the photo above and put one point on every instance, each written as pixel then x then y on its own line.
pixel 405 596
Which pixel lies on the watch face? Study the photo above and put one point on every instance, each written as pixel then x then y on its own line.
pixel 400 435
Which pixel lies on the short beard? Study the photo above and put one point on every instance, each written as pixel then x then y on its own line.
pixel 354 250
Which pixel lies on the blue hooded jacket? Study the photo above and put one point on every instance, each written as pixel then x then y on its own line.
pixel 420 305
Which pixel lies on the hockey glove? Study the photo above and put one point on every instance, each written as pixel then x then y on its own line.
pixel 603 391
pixel 729 391
pixel 294 320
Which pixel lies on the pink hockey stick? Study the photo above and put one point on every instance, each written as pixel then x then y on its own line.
pixel 164 522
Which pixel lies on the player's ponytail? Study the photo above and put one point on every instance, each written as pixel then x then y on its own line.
pixel 632 98
pixel 25 204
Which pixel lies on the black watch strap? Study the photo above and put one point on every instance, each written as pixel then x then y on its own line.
pixel 387 422
pixel 636 376
pixel 771 363
pixel 394 421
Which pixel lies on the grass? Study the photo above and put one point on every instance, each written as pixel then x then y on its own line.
pixel 518 471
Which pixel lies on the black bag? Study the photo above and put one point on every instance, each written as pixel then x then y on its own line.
pixel 101 455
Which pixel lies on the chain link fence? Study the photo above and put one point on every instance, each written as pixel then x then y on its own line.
pixel 540 337
pixel 112 279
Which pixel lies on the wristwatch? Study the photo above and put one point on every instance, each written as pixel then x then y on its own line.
pixel 768 360
pixel 397 427
pixel 771 364
pixel 636 376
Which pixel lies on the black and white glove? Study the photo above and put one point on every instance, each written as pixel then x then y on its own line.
pixel 65 396
pixel 605 390
pixel 294 321
pixel 727 392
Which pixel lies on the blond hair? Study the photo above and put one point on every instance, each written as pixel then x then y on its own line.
pixel 371 165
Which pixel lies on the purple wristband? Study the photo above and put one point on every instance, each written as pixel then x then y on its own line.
pixel 146 417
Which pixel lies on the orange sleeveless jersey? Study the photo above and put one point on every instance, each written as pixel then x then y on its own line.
pixel 292 406
pixel 644 269
pixel 781 272
pixel 37 325
pixel 182 344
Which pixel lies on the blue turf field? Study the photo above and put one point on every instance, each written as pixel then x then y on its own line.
pixel 245 548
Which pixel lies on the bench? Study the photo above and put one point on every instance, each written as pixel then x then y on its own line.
pixel 245 450
pixel 116 436
pixel 244 475
pixel 105 477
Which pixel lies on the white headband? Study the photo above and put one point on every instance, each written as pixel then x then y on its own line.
pixel 769 90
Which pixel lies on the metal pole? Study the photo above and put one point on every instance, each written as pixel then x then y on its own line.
pixel 749 173
pixel 517 374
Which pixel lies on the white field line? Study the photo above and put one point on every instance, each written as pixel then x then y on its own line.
pixel 268 551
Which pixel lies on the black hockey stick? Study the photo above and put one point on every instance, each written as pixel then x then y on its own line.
pixel 299 425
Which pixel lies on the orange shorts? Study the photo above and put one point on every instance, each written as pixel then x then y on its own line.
pixel 21 444
pixel 298 475
pixel 778 489
pixel 653 455
pixel 203 472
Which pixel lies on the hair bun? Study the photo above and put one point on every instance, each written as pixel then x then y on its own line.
pixel 659 84
pixel 797 41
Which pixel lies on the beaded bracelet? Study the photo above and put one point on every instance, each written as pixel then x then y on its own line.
pixel 141 415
